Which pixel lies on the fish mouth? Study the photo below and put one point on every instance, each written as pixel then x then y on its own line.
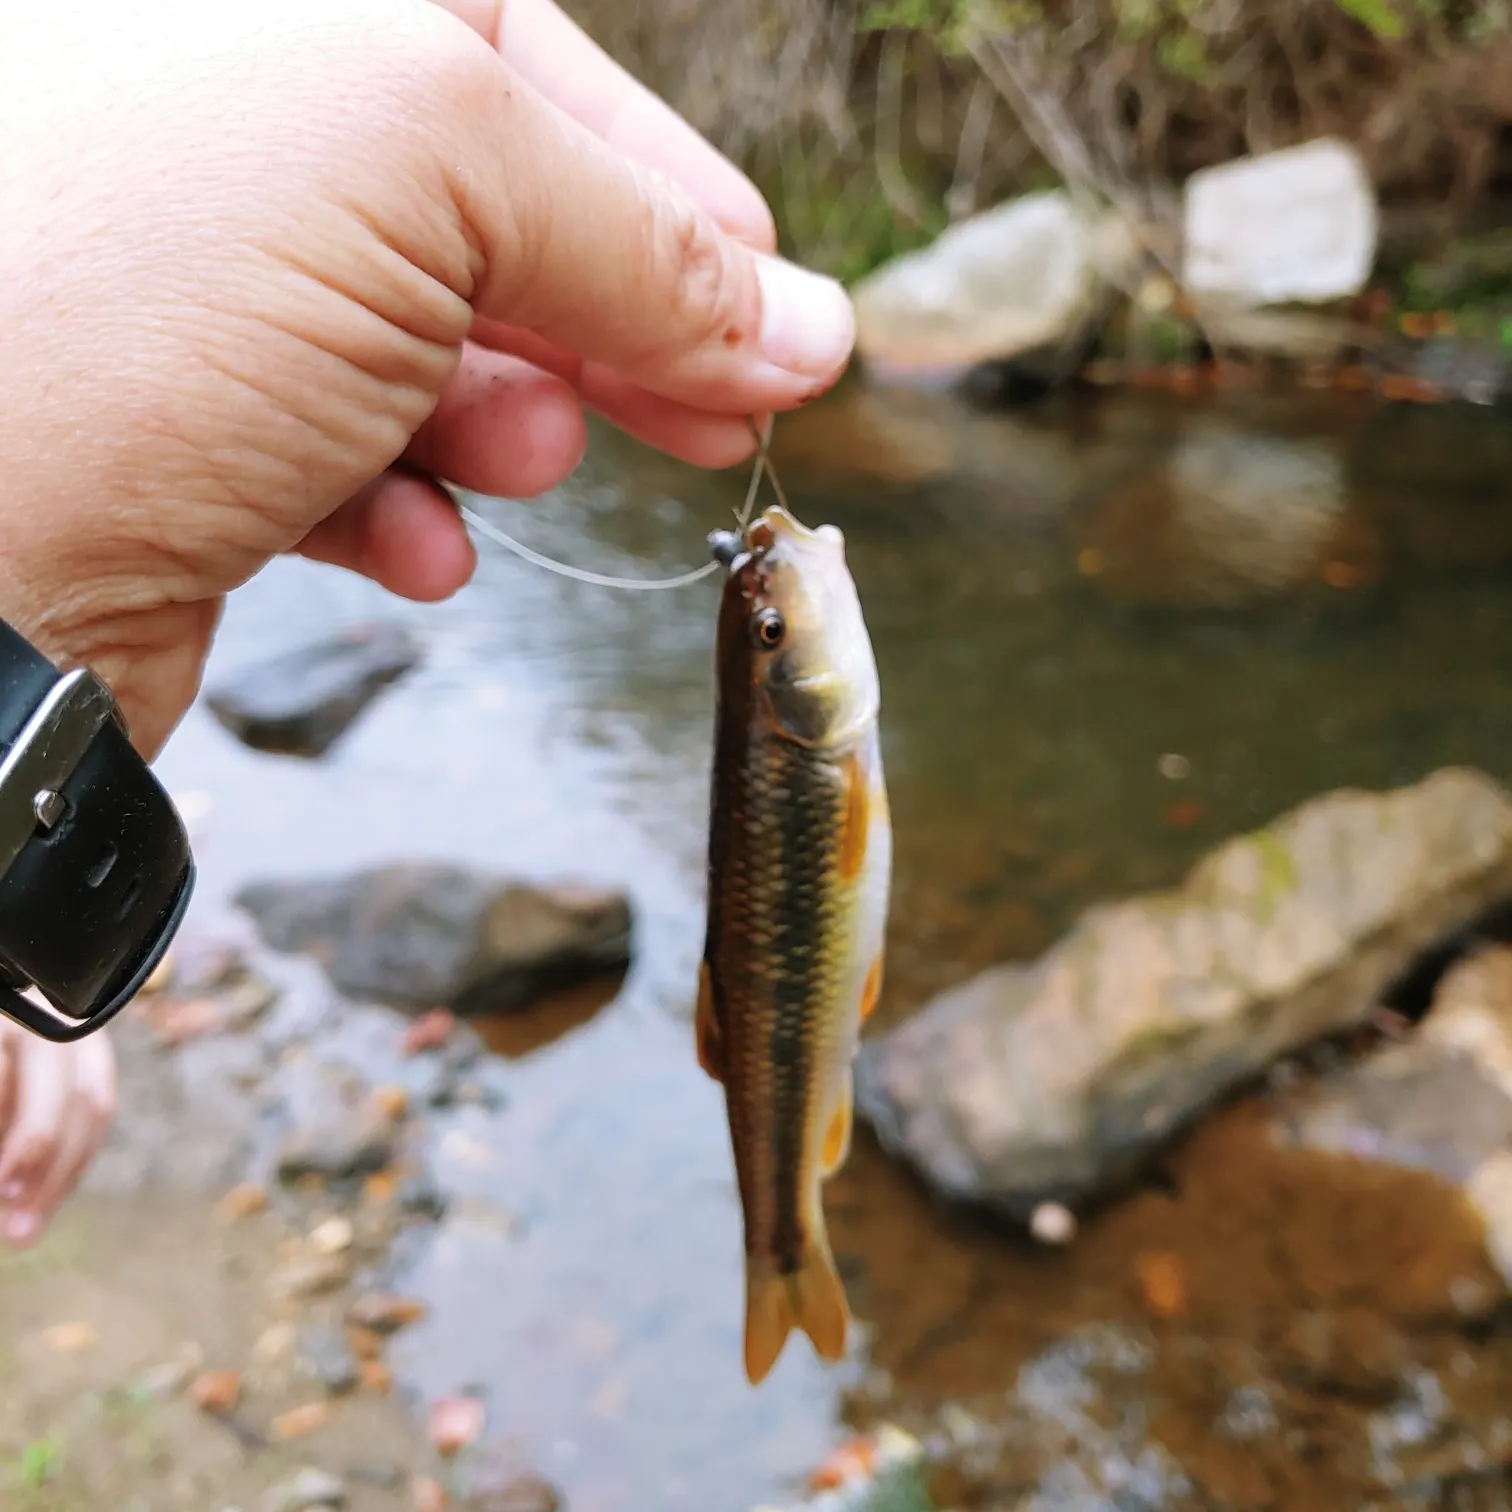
pixel 777 524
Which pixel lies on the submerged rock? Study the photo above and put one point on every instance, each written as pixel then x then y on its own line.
pixel 418 935
pixel 1049 1082
pixel 300 702
pixel 1440 1102
pixel 1299 225
pixel 1021 277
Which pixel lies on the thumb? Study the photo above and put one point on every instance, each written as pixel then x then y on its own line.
pixel 608 259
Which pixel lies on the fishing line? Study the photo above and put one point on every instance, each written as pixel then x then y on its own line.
pixel 762 466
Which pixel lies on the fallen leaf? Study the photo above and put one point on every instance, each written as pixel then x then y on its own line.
pixel 70 1338
pixel 297 1422
pixel 454 1423
pixel 427 1495
pixel 215 1391
pixel 1162 1283
pixel 384 1312
pixel 241 1202
pixel 430 1031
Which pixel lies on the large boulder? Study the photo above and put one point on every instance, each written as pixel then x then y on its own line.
pixel 1295 226
pixel 1021 277
pixel 1440 1102
pixel 1050 1082
pixel 418 936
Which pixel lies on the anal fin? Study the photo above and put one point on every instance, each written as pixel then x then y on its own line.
pixel 837 1137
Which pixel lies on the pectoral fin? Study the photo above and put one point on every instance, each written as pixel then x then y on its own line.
pixel 837 1137
pixel 706 1026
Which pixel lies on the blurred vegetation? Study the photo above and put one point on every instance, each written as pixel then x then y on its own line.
pixel 872 124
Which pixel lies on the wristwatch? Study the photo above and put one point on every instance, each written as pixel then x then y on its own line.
pixel 95 864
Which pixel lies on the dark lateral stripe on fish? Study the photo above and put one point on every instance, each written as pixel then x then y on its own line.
pixel 807 844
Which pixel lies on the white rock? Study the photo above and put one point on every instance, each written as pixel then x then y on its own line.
pixel 1298 225
pixel 1016 277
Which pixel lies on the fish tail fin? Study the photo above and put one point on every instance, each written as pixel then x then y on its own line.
pixel 811 1298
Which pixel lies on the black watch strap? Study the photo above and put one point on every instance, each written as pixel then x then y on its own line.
pixel 95 865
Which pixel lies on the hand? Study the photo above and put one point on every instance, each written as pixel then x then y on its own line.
pixel 269 271
pixel 57 1103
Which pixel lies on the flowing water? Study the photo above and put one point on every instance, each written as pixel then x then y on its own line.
pixel 1110 633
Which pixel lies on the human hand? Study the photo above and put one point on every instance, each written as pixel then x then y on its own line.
pixel 57 1103
pixel 268 271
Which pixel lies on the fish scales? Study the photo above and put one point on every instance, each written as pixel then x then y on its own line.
pixel 800 852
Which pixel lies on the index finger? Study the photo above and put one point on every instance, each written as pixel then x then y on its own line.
pixel 570 70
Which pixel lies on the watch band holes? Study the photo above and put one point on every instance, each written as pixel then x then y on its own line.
pixel 101 869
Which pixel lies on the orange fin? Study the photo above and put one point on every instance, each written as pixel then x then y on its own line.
pixel 706 1027
pixel 811 1298
pixel 837 1137
pixel 872 991
pixel 856 826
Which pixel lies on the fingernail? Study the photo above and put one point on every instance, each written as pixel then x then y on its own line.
pixel 807 324
pixel 21 1228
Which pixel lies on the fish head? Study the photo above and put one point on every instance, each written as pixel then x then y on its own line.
pixel 791 626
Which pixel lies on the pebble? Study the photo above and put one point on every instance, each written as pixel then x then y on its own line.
pixel 422 1197
pixel 430 1031
pixel 384 1313
pixel 308 1276
pixel 308 1490
pixel 526 1493
pixel 329 1357
pixel 427 1495
pixel 332 1237
pixel 1051 1223
pixel 215 1391
pixel 275 1343
pixel 353 1143
pixel 241 1202
pixel 70 1338
pixel 300 1421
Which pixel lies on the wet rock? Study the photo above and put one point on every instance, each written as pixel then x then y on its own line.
pixel 525 1493
pixel 1050 1082
pixel 303 1276
pixel 422 1197
pixel 351 1141
pixel 329 1357
pixel 384 1313
pixel 1299 225
pixel 307 1491
pixel 1021 278
pixel 300 702
pixel 418 935
pixel 1441 1102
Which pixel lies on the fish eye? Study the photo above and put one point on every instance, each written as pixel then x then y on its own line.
pixel 770 628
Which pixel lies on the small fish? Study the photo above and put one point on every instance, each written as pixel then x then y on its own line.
pixel 800 865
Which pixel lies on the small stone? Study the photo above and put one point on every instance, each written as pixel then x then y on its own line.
pixel 384 1313
pixel 275 1343
pixel 241 1202
pixel 329 1357
pixel 1174 768
pixel 309 1276
pixel 353 1142
pixel 175 1021
pixel 430 1031
pixel 422 1197
pixel 377 1379
pixel 215 1391
pixel 332 1237
pixel 299 1422
pixel 525 1493
pixel 247 1001
pixel 308 1491
pixel 1162 1284
pixel 71 1338
pixel 167 1379
pixel 455 1422
pixel 1053 1223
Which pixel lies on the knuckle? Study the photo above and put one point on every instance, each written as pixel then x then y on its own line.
pixel 692 258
